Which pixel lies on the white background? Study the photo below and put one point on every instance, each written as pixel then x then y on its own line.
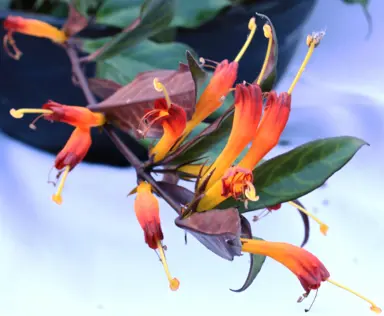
pixel 88 257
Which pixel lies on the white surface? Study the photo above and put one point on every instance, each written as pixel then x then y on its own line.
pixel 88 257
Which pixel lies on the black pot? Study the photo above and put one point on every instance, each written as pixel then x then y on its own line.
pixel 44 70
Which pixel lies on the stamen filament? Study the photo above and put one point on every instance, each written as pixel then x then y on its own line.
pixel 268 34
pixel 252 27
pixel 374 307
pixel 173 282
pixel 57 196
pixel 312 41
pixel 323 227
pixel 161 88
pixel 17 114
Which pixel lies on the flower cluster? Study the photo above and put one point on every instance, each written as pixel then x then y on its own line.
pixel 258 120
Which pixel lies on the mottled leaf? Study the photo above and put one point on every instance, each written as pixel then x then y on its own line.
pixel 155 15
pixel 218 230
pixel 299 171
pixel 103 88
pixel 76 21
pixel 269 77
pixel 256 263
pixel 127 106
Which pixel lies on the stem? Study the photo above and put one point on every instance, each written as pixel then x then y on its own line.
pixel 125 151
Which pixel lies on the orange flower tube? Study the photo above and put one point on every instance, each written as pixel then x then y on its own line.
pixel 148 215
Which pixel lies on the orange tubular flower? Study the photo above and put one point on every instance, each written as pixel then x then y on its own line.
pixel 80 140
pixel 147 213
pixel 309 269
pixel 29 27
pixel 248 108
pixel 268 133
pixel 219 86
pixel 266 137
pixel 173 119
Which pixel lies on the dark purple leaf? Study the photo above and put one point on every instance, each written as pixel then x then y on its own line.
pixel 305 219
pixel 103 88
pixel 127 106
pixel 218 230
pixel 177 192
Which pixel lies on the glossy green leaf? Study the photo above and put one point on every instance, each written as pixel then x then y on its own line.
pixel 119 12
pixel 192 13
pixel 155 15
pixel 299 171
pixel 145 56
pixel 198 74
pixel 256 264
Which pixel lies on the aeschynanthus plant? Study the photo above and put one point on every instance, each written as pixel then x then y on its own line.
pixel 225 159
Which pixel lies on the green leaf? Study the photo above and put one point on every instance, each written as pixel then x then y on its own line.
pixel 256 264
pixel 198 74
pixel 119 12
pixel 144 56
pixel 155 15
pixel 192 13
pixel 299 171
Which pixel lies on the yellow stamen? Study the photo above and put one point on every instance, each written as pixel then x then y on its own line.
pixel 312 41
pixel 161 88
pixel 18 114
pixel 374 307
pixel 173 282
pixel 250 192
pixel 268 34
pixel 57 196
pixel 323 227
pixel 252 27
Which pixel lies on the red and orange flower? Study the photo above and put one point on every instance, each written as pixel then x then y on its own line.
pixel 80 140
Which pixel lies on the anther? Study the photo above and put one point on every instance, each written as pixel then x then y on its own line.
pixel 323 227
pixel 57 198
pixel 374 307
pixel 161 88
pixel 252 27
pixel 173 282
pixel 268 34
pixel 312 41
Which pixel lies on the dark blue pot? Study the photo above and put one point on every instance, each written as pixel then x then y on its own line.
pixel 44 71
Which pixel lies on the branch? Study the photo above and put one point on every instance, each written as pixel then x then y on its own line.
pixel 126 152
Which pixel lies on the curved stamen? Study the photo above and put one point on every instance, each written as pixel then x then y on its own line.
pixel 374 307
pixel 8 42
pixel 312 41
pixel 161 114
pixel 33 123
pixel 268 34
pixel 57 196
pixel 173 282
pixel 161 88
pixel 252 27
pixel 323 227
pixel 18 114
pixel 250 192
